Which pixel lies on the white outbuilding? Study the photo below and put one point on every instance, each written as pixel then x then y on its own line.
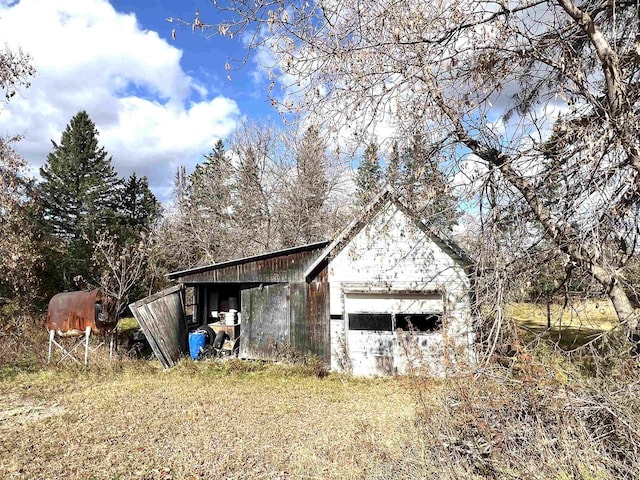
pixel 389 295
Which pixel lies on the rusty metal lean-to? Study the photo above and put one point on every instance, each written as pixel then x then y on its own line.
pixel 74 314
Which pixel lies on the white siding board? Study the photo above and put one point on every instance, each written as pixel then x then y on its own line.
pixel 390 303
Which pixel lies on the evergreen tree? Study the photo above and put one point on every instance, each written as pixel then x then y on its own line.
pixel 180 189
pixel 311 187
pixel 138 208
pixel 209 195
pixel 79 196
pixel 254 189
pixel 393 167
pixel 176 246
pixel 252 209
pixel 368 176
pixel 210 185
pixel 424 186
pixel 79 189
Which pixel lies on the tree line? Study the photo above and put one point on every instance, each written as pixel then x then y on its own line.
pixel 82 226
pixel 266 190
pixel 56 232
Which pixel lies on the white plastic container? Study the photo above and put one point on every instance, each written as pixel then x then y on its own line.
pixel 230 317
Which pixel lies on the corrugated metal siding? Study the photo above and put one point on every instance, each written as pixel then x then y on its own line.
pixel 298 321
pixel 285 268
pixel 317 312
pixel 310 318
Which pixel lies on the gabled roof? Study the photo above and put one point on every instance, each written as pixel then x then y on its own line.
pixel 384 198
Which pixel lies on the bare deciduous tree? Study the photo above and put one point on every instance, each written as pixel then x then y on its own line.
pixel 119 268
pixel 539 97
pixel 19 255
pixel 15 71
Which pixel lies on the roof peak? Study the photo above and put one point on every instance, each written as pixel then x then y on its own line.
pixel 387 196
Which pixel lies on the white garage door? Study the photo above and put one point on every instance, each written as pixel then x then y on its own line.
pixel 372 320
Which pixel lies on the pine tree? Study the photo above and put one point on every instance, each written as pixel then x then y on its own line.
pixel 393 167
pixel 424 186
pixel 252 209
pixel 138 208
pixel 310 190
pixel 209 195
pixel 210 184
pixel 256 184
pixel 79 188
pixel 368 175
pixel 79 197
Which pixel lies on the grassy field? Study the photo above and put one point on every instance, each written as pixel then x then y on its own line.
pixel 129 419
pixel 571 326
pixel 201 421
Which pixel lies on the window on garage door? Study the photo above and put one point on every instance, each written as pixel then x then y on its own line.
pixel 422 322
pixel 370 321
pixel 421 312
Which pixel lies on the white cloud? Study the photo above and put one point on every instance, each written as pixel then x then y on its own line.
pixel 470 173
pixel 151 115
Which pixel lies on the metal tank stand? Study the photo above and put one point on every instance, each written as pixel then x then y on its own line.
pixel 70 353
pixel 113 342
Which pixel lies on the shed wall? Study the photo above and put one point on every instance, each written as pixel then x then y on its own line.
pixel 285 319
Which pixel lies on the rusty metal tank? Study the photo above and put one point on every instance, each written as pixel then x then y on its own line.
pixel 70 313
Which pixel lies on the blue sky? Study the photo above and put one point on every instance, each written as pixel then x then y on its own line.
pixel 157 102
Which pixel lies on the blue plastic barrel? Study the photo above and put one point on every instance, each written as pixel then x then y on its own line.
pixel 197 340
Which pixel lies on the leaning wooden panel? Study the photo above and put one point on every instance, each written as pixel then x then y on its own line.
pixel 161 318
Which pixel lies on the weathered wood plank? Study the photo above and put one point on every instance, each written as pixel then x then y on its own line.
pixel 161 318
pixel 265 331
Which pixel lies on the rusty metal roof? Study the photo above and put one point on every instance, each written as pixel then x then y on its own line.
pixel 264 256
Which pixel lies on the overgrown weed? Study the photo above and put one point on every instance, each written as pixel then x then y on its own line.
pixel 546 415
pixel 22 337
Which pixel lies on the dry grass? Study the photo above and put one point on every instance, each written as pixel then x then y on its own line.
pixel 197 421
pixel 248 421
pixel 127 419
pixel 571 327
